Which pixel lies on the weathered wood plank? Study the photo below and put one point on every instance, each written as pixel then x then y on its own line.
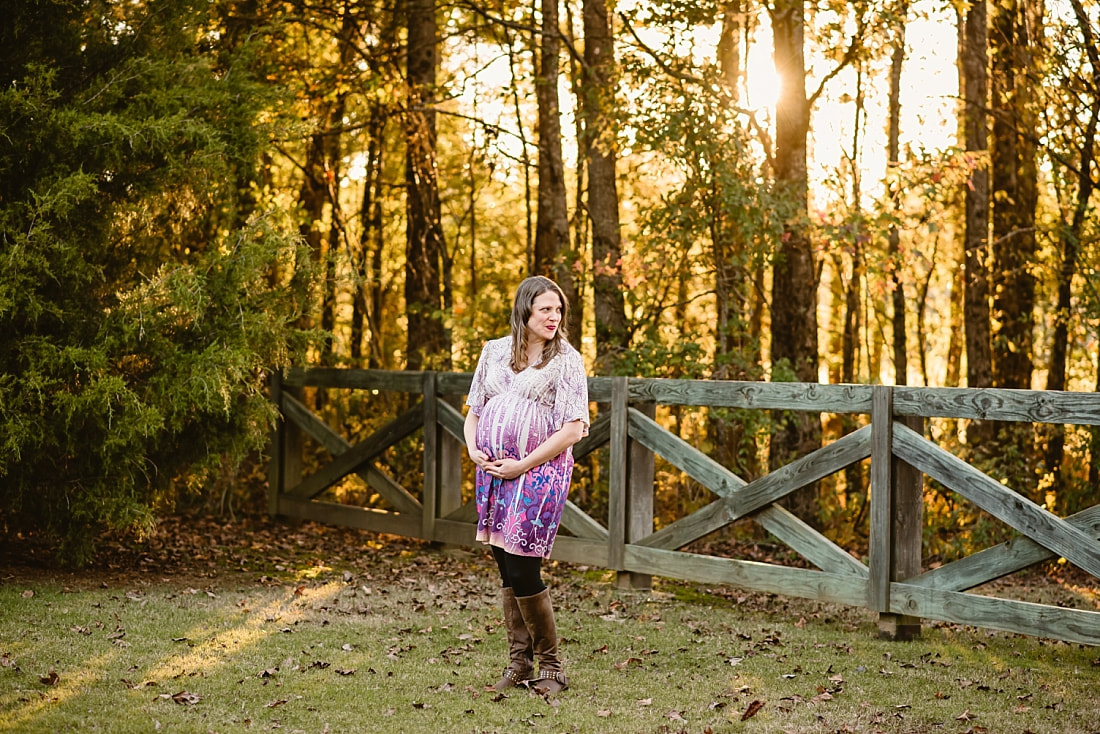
pixel 800 582
pixel 455 383
pixel 581 524
pixel 763 491
pixel 599 389
pixel 1010 615
pixel 1000 560
pixel 451 420
pixel 683 455
pixel 617 473
pixel 429 497
pixel 807 542
pixel 467 513
pixel 688 529
pixel 331 513
pixel 881 535
pixel 1008 506
pixel 276 472
pixel 354 379
pixel 455 532
pixel 640 478
pixel 397 429
pixel 581 550
pixel 801 396
pixel 805 470
pixel 337 445
pixel 599 433
pixel 907 535
pixel 1028 406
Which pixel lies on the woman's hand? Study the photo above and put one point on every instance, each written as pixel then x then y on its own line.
pixel 504 468
pixel 479 457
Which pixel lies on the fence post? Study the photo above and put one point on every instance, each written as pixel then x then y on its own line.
pixel 896 507
pixel 284 470
pixel 429 498
pixel 881 530
pixel 451 454
pixel 616 475
pixel 907 500
pixel 640 474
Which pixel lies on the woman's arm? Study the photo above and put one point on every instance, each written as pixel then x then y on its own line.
pixel 558 441
pixel 469 431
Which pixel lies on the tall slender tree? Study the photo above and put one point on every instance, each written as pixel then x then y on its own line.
pixel 600 150
pixel 1069 235
pixel 428 342
pixel 552 222
pixel 893 145
pixel 1013 37
pixel 794 274
pixel 974 67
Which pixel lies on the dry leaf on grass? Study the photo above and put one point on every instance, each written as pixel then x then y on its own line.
pixel 752 710
pixel 185 698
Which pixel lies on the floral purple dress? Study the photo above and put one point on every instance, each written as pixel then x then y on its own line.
pixel 516 413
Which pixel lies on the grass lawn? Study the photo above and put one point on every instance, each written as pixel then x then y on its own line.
pixel 300 633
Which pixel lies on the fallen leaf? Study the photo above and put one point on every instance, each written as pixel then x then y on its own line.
pixel 752 710
pixel 645 701
pixel 603 713
pixel 675 716
pixel 185 698
pixel 628 662
pixel 273 704
pixel 348 671
pixel 50 679
pixel 27 594
pixel 966 716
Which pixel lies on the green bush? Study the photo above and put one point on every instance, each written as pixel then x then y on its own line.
pixel 142 297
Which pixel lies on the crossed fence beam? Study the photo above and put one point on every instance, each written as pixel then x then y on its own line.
pixel 891 582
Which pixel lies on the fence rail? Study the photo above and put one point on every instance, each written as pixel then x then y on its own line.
pixel 892 582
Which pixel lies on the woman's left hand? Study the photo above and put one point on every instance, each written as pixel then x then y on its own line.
pixel 504 468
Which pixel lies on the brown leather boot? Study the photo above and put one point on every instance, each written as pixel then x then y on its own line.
pixel 538 614
pixel 520 652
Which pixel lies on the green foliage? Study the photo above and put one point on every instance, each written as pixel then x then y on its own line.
pixel 141 301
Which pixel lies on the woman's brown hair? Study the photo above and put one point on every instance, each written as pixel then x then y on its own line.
pixel 528 290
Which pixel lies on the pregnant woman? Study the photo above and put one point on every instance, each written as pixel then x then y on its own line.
pixel 528 406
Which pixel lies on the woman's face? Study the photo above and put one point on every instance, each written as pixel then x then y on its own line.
pixel 545 317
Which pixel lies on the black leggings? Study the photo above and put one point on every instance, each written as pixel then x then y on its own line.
pixel 522 573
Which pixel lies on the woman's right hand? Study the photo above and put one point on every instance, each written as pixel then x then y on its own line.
pixel 479 457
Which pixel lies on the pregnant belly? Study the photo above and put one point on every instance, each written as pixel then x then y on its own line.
pixel 511 427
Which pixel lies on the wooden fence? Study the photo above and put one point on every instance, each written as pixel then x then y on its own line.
pixel 891 583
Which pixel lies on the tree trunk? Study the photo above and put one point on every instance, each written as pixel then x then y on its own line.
pixel 1015 191
pixel 794 278
pixel 599 146
pixel 974 63
pixel 552 222
pixel 1070 240
pixel 734 448
pixel 578 260
pixel 897 60
pixel 428 342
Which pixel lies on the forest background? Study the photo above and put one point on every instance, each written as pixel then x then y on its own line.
pixel 195 193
